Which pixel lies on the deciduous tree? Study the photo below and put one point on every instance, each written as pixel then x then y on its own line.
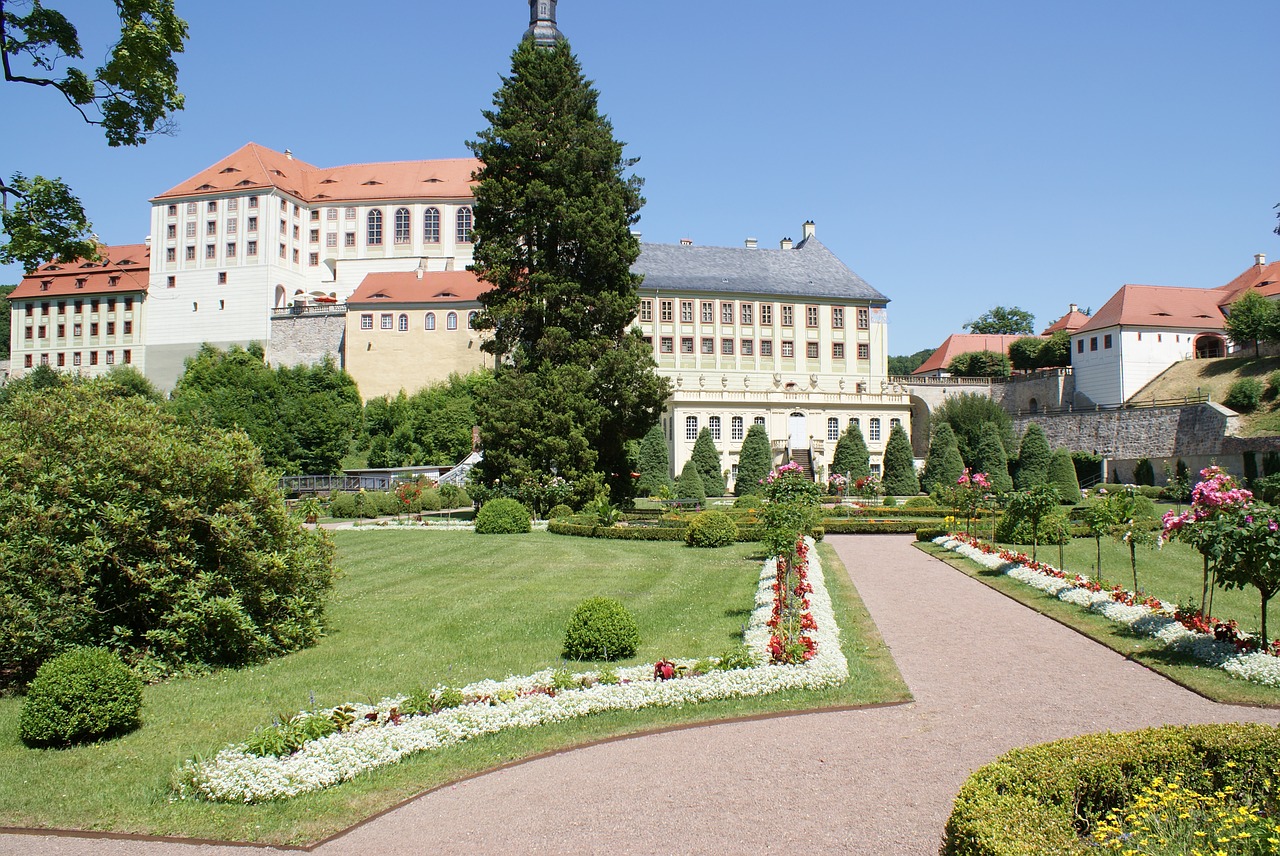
pixel 1003 320
pixel 1250 320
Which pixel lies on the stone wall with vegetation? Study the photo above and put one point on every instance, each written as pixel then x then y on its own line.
pixel 304 340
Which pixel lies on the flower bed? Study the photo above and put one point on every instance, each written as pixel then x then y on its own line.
pixel 377 735
pixel 1216 643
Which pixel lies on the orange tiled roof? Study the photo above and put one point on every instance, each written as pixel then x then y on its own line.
pixel 255 167
pixel 1264 279
pixel 399 287
pixel 1159 306
pixel 965 343
pixel 1072 321
pixel 123 269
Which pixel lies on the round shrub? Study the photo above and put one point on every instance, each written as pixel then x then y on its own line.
pixel 601 628
pixel 750 501
pixel 343 505
pixel 558 511
pixel 1040 799
pixel 82 695
pixel 711 529
pixel 1244 395
pixel 502 517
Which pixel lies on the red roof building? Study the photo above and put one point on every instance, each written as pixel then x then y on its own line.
pixel 962 343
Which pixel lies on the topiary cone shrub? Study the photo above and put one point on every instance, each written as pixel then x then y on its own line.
pixel 82 695
pixel 502 517
pixel 601 628
pixel 711 529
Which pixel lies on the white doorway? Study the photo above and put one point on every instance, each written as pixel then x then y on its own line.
pixel 797 428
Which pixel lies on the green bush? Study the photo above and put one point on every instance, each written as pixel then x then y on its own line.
pixel 343 506
pixel 919 502
pixel 711 529
pixel 601 628
pixel 1273 384
pixel 453 496
pixel 1042 799
pixel 430 500
pixel 1016 529
pixel 502 516
pixel 854 526
pixel 928 533
pixel 750 501
pixel 85 694
pixel 559 511
pixel 1244 395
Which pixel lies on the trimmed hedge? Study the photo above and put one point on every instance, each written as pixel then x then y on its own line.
pixel 869 527
pixel 601 628
pixel 670 532
pixel 711 529
pixel 1039 800
pixel 894 511
pixel 502 516
pixel 82 695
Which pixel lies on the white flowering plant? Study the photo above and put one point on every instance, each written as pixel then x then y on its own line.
pixel 367 736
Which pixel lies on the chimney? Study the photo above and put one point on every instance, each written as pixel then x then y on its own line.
pixel 686 242
pixel 808 228
pixel 1072 308
pixel 288 154
pixel 785 243
pixel 422 267
pixel 148 242
pixel 1260 259
pixel 751 243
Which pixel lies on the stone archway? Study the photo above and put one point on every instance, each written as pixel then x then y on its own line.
pixel 920 426
pixel 1210 345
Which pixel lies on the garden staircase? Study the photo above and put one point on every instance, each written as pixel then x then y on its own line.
pixel 805 460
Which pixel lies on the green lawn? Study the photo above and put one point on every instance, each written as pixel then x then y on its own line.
pixel 413 609
pixel 1208 681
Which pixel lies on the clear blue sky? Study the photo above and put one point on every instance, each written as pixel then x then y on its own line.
pixel 956 155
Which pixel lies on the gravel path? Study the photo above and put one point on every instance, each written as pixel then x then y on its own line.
pixel 987 674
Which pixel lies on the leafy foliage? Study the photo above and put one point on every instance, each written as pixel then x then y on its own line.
pixel 5 312
pixel 1244 395
pixel 944 464
pixel 654 464
pixel 899 465
pixel 990 458
pixel 1032 517
pixel 1024 353
pixel 1251 554
pixel 754 461
pixel 980 364
pixel 1251 319
pixel 1003 320
pixel 1033 459
pixel 553 216
pixel 903 366
pixel 81 695
pixel 502 516
pixel 967 414
pixel 706 457
pixel 432 426
pixel 711 529
pixel 45 222
pixel 851 458
pixel 601 628
pixel 161 540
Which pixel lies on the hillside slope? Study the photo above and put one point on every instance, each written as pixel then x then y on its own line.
pixel 1215 377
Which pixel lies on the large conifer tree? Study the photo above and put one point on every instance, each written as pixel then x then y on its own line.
pixel 899 465
pixel 991 458
pixel 851 457
pixel 553 214
pixel 1033 459
pixel 654 464
pixel 944 464
pixel 753 461
pixel 706 457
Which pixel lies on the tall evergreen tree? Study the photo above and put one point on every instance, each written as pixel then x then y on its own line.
pixel 553 214
pixel 654 463
pixel 1033 459
pixel 753 461
pixel 1062 475
pixel 899 465
pixel 706 457
pixel 944 464
pixel 689 486
pixel 990 458
pixel 851 457
pixel 967 414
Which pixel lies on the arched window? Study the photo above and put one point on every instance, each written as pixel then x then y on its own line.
pixel 451 321
pixel 431 225
pixel 833 428
pixel 714 424
pixel 759 420
pixel 374 231
pixel 691 427
pixel 875 431
pixel 471 319
pixel 856 423
pixel 403 323
pixel 464 225
pixel 402 225
pixel 735 428
pixel 431 321
pixel 894 423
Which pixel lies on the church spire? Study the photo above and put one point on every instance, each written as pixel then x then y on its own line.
pixel 542 23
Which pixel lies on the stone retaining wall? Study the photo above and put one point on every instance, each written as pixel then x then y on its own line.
pixel 306 339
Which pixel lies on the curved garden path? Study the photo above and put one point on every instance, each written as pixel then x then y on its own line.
pixel 987 675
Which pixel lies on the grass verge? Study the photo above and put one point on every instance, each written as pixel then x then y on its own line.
pixel 1210 682
pixel 413 609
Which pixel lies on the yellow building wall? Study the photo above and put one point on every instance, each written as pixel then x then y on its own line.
pixel 384 360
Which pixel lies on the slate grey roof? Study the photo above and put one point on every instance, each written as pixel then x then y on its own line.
pixel 807 270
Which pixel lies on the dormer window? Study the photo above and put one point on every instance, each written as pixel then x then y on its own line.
pixel 44 286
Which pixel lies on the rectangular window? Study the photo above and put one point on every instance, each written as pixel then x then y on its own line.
pixel 231 227
pixel 864 318
pixel 111 304
pixel 788 350
pixel 29 333
pixel 864 352
pixel 686 311
pixel 388 321
pixel 210 251
pixel 735 429
pixel 222 277
pixel 128 328
pixel 191 254
pixel 686 344
pixel 111 358
pixel 331 214
pixel 253 202
pixel 1106 341
pixel 296 233
pixel 295 257
pixel 875 470
pixel 191 208
pixel 666 344
pixel 233 204
pixel 231 248
pixel 646 310
pixel 44 359
pixel 284 251
pixel 837 317
pixel 726 313
pixel 874 433
pixel 1093 343
pixel 331 239
pixel 93 358
pixel 128 304
pixel 173 212
pixel 251 248
pixel 708 345
pixel 726 347
pixel 128 355
pixel 211 228
pixel 26 361
pixel 111 328
pixel 837 350
pixel 766 348
pixel 1079 346
pixel 75 358
pixel 708 312
pixel 349 240
pixel 748 347
pixel 788 316
pixel 170 255
pixel 77 330
pixel 284 227
pixel 351 214
pixel 315 214
pixel 252 225
pixel 811 316
pixel 766 313
pixel 93 328
pixel 313 259
pixel 745 314
pixel 666 308
pixel 172 231
pixel 315 236
pixel 366 321
pixel 811 350
pixel 213 207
